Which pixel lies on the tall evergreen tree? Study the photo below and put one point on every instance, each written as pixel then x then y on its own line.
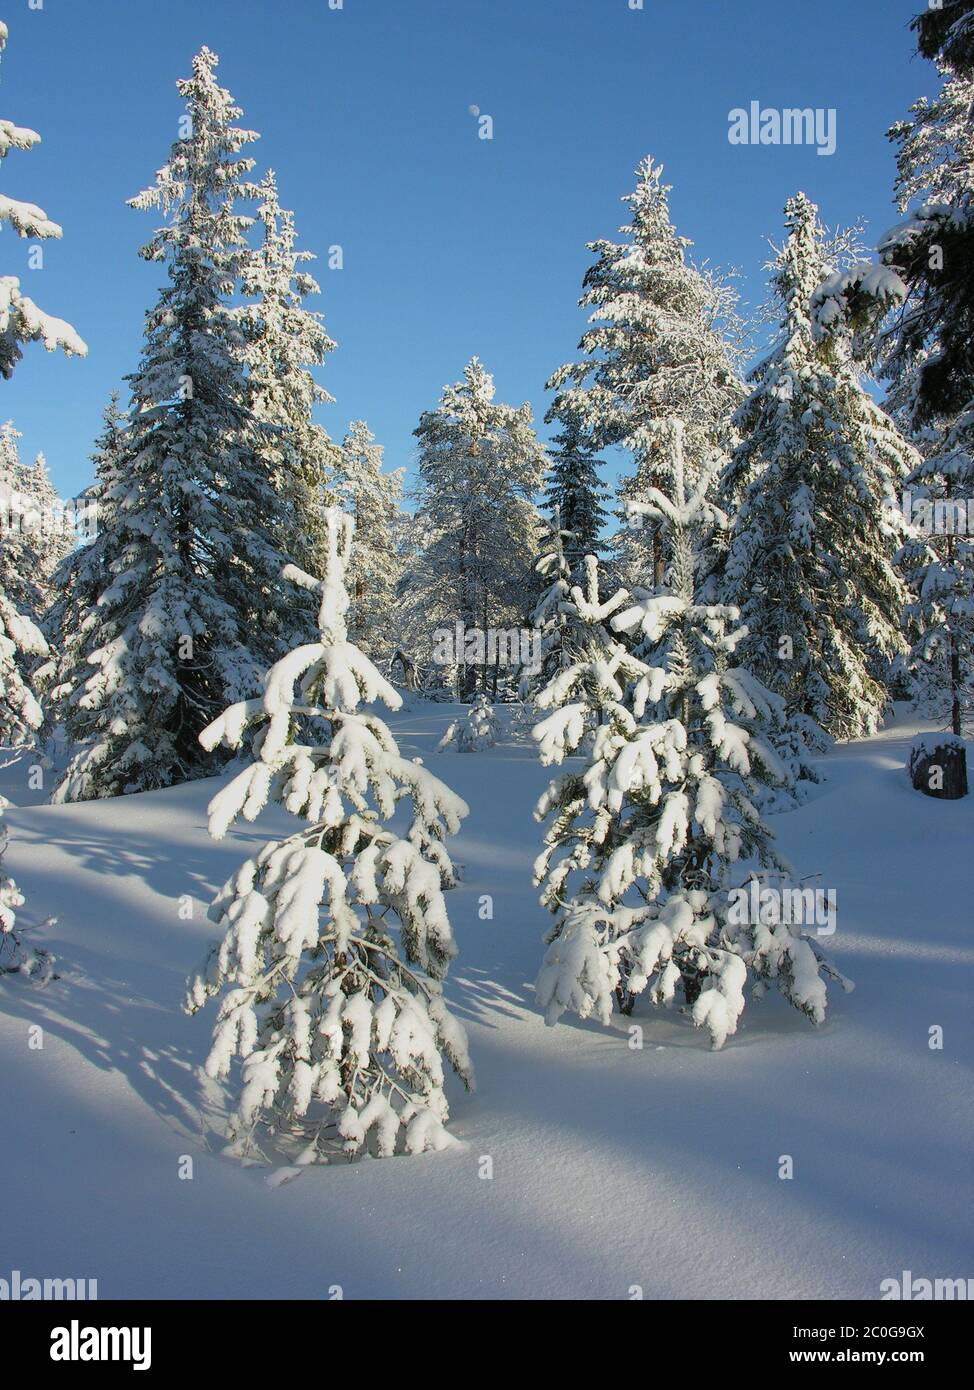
pixel 21 321
pixel 82 575
pixel 339 1021
pixel 932 337
pixel 915 309
pixel 655 355
pixel 937 560
pixel 372 498
pixel 810 558
pixel 285 340
pixel 191 611
pixel 52 523
pixel 20 529
pixel 924 352
pixel 480 464
pixel 572 486
pixel 550 618
pixel 935 173
pixel 22 644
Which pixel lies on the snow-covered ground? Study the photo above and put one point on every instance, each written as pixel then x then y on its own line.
pixel 612 1167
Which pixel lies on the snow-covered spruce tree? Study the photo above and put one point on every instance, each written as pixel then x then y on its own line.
pixel 480 464
pixel 372 498
pixel 923 350
pixel 931 251
pixel 937 560
pixel 564 633
pixel 573 489
pixel 192 607
pixel 20 537
pixel 655 354
pixel 21 321
pixel 33 525
pixel 935 173
pixel 914 310
pixel 22 644
pixel 476 731
pixel 550 619
pixel 51 523
pixel 578 652
pixel 575 496
pixel 341 1025
pixel 810 562
pixel 285 340
pixel 643 841
pixel 81 577
pixel 945 32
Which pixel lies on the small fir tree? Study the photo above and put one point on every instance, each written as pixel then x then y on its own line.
pixel 643 840
pixel 341 1026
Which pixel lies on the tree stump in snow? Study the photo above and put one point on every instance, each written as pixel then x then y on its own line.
pixel 938 766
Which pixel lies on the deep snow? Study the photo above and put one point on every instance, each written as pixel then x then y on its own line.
pixel 612 1168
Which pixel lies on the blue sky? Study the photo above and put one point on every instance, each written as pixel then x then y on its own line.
pixel 452 245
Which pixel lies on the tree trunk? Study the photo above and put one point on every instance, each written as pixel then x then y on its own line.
pixel 955 687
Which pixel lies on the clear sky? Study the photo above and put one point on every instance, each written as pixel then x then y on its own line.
pixel 452 245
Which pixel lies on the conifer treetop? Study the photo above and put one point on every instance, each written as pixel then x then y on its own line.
pixel 653 314
pixel 204 160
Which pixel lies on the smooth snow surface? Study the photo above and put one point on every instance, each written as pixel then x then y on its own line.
pixel 611 1167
